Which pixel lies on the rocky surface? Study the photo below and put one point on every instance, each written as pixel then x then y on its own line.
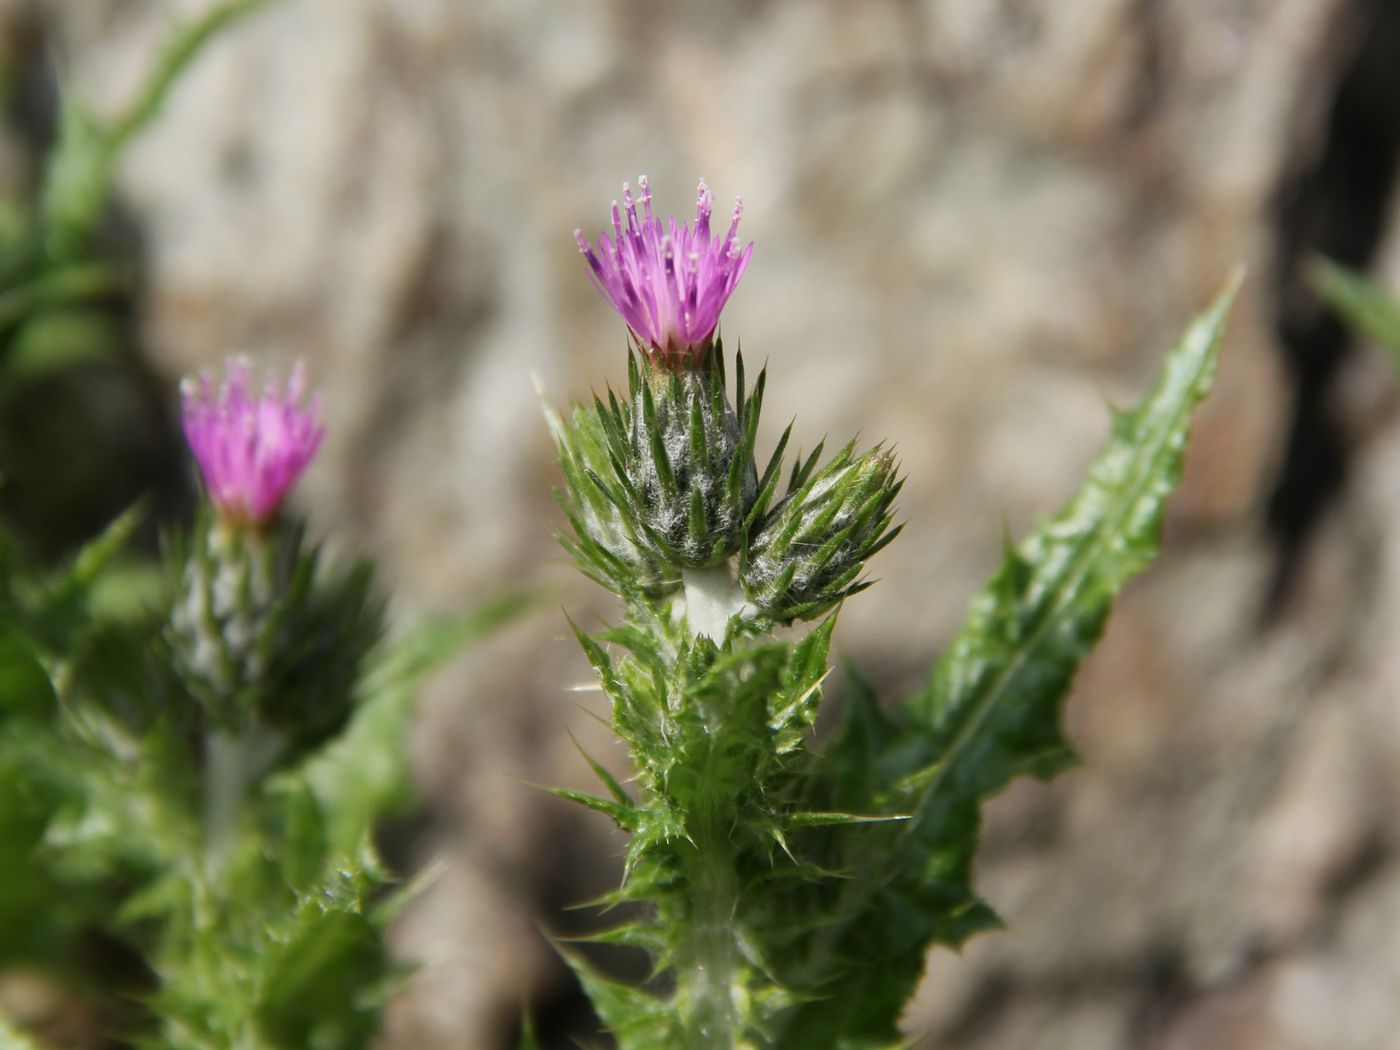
pixel 976 222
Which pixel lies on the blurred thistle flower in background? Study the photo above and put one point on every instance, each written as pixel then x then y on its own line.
pixel 250 450
pixel 669 282
pixel 263 636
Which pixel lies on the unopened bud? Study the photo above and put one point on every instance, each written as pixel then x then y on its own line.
pixel 809 551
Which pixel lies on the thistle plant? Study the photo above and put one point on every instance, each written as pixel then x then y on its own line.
pixel 197 774
pixel 193 756
pixel 787 890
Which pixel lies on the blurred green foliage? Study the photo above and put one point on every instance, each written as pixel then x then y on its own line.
pixel 112 892
pixel 1362 304
pixel 272 940
pixel 84 426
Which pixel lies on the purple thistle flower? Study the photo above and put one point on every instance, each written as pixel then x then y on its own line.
pixel 250 450
pixel 669 282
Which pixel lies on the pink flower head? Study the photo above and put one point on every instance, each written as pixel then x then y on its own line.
pixel 669 282
pixel 250 450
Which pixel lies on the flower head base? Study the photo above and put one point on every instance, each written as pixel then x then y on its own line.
pixel 669 282
pixel 250 450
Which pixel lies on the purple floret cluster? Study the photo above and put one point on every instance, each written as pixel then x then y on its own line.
pixel 669 281
pixel 250 449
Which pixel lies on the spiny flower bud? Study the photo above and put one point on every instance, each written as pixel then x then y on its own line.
pixel 669 282
pixel 605 543
pixel 810 549
pixel 688 470
pixel 224 626
pixel 257 633
pixel 250 450
pixel 670 481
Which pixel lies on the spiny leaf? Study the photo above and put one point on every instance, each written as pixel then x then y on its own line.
pixel 628 935
pixel 991 710
pixel 818 820
pixel 1046 606
pixel 60 287
pixel 25 688
pixel 96 554
pixel 324 986
pixel 362 773
pixel 631 1014
pixel 599 660
pixel 623 815
pixel 609 781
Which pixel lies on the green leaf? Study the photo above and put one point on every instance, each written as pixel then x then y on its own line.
pixel 25 688
pixel 853 762
pixel 434 642
pixel 78 175
pixel 254 964
pixel 615 789
pixel 362 773
pixel 1364 305
pixel 35 914
pixel 127 590
pixel 824 819
pixel 528 1039
pixel 623 815
pixel 991 711
pixel 1046 606
pixel 305 1002
pixel 631 1014
pixel 59 287
pixel 97 553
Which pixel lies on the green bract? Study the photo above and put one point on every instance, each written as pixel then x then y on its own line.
pixel 663 491
pixel 808 552
pixel 260 632
pixel 665 480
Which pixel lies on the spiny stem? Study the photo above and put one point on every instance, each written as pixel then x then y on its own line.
pixel 707 970
pixel 711 597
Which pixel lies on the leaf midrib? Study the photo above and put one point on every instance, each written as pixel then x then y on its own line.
pixel 1084 559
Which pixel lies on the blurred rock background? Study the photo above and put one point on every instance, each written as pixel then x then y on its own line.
pixel 977 221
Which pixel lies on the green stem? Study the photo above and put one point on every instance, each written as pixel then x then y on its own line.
pixel 232 761
pixel 226 777
pixel 712 596
pixel 708 965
